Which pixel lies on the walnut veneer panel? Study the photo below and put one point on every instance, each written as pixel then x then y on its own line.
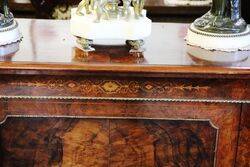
pixel 100 142
pixel 162 143
pixel 225 117
pixel 2 110
pixel 50 142
pixel 243 154
pixel 116 95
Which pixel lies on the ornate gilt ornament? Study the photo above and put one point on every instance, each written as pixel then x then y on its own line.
pixel 222 29
pixel 106 20
pixel 61 12
pixel 9 32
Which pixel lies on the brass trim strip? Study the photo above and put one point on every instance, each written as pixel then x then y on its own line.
pixel 125 99
pixel 220 35
pixel 108 117
pixel 10 28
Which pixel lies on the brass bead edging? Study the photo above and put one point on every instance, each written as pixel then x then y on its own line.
pixel 10 28
pixel 124 99
pixel 220 36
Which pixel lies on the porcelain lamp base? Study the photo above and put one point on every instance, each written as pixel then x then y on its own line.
pixel 220 48
pixel 105 32
pixel 219 42
pixel 10 34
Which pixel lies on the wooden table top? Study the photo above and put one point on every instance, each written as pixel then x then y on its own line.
pixel 48 46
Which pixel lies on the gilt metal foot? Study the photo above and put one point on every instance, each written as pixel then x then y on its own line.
pixel 135 45
pixel 85 44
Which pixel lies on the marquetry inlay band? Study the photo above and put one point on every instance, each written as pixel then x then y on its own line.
pixel 125 99
pixel 110 86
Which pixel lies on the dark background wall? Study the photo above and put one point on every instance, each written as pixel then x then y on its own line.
pixel 156 13
pixel 246 10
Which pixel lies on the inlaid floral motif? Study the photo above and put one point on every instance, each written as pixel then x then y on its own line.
pixel 111 86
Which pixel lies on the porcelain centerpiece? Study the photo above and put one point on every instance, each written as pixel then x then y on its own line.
pixel 106 21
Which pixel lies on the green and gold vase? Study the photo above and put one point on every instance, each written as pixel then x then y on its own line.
pixel 6 18
pixel 223 18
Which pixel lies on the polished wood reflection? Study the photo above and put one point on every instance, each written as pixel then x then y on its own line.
pixel 62 107
pixel 48 44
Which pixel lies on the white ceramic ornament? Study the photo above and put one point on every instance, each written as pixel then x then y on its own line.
pixel 115 31
pixel 10 34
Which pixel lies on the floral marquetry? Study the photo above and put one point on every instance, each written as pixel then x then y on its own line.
pixel 110 86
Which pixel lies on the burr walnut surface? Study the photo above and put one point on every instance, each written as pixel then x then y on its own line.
pixel 61 107
pixel 99 137
pixel 244 138
pixel 172 133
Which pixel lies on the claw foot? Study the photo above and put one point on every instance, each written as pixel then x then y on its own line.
pixel 85 44
pixel 135 45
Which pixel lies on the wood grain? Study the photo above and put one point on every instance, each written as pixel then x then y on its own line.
pixel 2 110
pixel 223 116
pixel 54 142
pixel 2 115
pixel 95 142
pixel 41 130
pixel 162 143
pixel 243 153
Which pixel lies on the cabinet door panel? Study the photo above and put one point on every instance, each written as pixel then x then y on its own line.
pixel 107 133
pixel 243 153
pixel 162 143
pixel 106 142
pixel 54 142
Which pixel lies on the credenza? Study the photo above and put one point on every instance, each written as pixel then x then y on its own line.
pixel 60 106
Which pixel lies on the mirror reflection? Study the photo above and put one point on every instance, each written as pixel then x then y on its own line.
pixel 219 58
